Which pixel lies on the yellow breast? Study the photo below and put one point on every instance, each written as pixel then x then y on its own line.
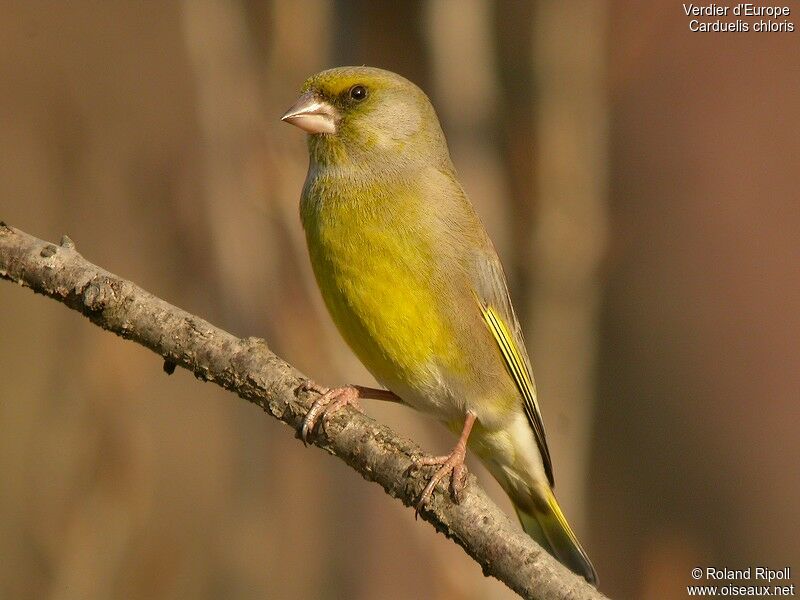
pixel 377 275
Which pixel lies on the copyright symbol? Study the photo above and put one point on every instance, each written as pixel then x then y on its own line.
pixel 697 573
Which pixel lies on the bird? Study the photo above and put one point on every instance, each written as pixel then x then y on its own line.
pixel 415 287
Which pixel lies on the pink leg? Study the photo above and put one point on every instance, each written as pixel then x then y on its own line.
pixel 451 464
pixel 333 399
pixel 377 394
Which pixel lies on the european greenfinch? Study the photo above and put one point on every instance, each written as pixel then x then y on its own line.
pixel 415 287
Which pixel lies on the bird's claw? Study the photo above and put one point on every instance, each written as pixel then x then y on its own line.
pixel 452 464
pixel 331 400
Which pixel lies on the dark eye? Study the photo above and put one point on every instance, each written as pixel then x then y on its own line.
pixel 358 92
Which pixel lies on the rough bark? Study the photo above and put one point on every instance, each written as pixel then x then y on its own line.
pixel 248 368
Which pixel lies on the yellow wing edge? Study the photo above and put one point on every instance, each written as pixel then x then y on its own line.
pixel 522 378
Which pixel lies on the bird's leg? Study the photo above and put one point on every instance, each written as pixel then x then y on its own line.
pixel 333 399
pixel 452 464
pixel 377 394
pixel 330 400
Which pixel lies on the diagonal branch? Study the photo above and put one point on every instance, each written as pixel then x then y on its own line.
pixel 248 368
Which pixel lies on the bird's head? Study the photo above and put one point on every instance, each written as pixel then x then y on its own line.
pixel 356 114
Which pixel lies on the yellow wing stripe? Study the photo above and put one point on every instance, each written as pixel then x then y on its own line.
pixel 510 354
pixel 518 369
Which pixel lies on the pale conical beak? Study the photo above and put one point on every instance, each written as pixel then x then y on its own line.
pixel 311 114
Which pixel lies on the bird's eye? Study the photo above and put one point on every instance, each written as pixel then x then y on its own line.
pixel 358 92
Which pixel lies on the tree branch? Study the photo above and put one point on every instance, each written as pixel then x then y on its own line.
pixel 248 368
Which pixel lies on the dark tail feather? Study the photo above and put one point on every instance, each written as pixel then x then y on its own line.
pixel 547 525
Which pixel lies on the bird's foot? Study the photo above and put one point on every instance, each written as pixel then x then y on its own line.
pixel 451 464
pixel 331 400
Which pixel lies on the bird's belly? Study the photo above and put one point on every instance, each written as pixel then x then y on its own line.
pixel 386 300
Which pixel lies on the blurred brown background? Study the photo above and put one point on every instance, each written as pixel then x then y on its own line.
pixel 641 183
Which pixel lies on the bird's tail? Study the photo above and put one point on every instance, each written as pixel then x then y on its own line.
pixel 543 520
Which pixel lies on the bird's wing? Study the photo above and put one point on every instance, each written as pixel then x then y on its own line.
pixel 491 291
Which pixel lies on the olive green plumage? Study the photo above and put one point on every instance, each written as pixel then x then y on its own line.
pixel 415 286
